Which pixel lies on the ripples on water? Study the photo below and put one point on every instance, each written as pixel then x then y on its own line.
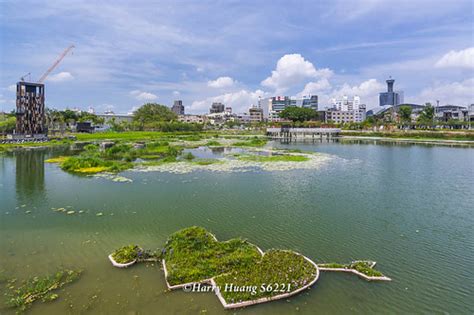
pixel 409 208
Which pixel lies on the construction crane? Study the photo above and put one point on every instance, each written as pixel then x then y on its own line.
pixel 55 64
pixel 26 75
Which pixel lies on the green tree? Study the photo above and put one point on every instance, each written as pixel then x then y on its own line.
pixel 298 114
pixel 427 115
pixel 7 123
pixel 152 112
pixel 405 114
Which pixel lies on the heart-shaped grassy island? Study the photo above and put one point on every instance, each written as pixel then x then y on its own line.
pixel 240 273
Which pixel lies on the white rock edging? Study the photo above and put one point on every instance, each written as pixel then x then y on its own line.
pixel 358 273
pixel 119 265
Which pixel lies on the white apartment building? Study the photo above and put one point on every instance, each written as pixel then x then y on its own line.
pixel 345 110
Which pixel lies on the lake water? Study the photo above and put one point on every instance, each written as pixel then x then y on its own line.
pixel 408 207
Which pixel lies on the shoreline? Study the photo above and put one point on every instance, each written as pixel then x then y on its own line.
pixel 411 140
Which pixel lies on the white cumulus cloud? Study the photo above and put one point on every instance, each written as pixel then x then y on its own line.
pixel 291 70
pixel 11 88
pixel 221 82
pixel 368 91
pixel 315 87
pixel 454 93
pixel 60 77
pixel 240 101
pixel 143 96
pixel 460 59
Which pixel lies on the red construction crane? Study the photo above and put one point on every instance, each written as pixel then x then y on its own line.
pixel 61 57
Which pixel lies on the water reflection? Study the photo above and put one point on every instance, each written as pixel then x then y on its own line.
pixel 29 174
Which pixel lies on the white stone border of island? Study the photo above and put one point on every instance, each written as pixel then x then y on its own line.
pixel 358 273
pixel 119 265
pixel 266 299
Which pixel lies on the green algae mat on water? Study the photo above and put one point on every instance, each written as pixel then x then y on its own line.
pixel 38 288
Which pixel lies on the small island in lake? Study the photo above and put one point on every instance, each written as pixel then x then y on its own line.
pixel 239 272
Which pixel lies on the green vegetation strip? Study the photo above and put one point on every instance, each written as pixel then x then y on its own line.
pixel 273 158
pixel 254 142
pixel 38 288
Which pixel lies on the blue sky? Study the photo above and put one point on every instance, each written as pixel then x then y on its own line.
pixel 131 52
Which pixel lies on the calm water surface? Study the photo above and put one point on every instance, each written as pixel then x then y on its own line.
pixel 410 208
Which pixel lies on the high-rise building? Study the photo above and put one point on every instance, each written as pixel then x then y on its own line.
pixel 310 102
pixel 217 108
pixel 277 104
pixel 178 107
pixel 390 97
pixel 344 104
pixel 30 108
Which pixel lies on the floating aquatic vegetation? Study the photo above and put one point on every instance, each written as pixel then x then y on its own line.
pixel 243 163
pixel 273 158
pixel 39 288
pixel 114 177
pixel 59 159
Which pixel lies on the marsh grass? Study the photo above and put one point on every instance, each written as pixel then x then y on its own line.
pixel 39 288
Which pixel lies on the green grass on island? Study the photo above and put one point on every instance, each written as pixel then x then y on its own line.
pixel 122 155
pixel 361 266
pixel 254 142
pixel 273 158
pixel 278 272
pixel 38 288
pixel 193 255
pixel 207 161
pixel 126 254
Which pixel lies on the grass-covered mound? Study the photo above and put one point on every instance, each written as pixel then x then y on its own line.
pixel 278 272
pixel 39 288
pixel 193 255
pixel 126 254
pixel 117 158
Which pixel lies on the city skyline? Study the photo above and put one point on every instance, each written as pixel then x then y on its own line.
pixel 232 53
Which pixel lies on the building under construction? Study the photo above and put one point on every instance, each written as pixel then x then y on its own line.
pixel 30 113
pixel 30 119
